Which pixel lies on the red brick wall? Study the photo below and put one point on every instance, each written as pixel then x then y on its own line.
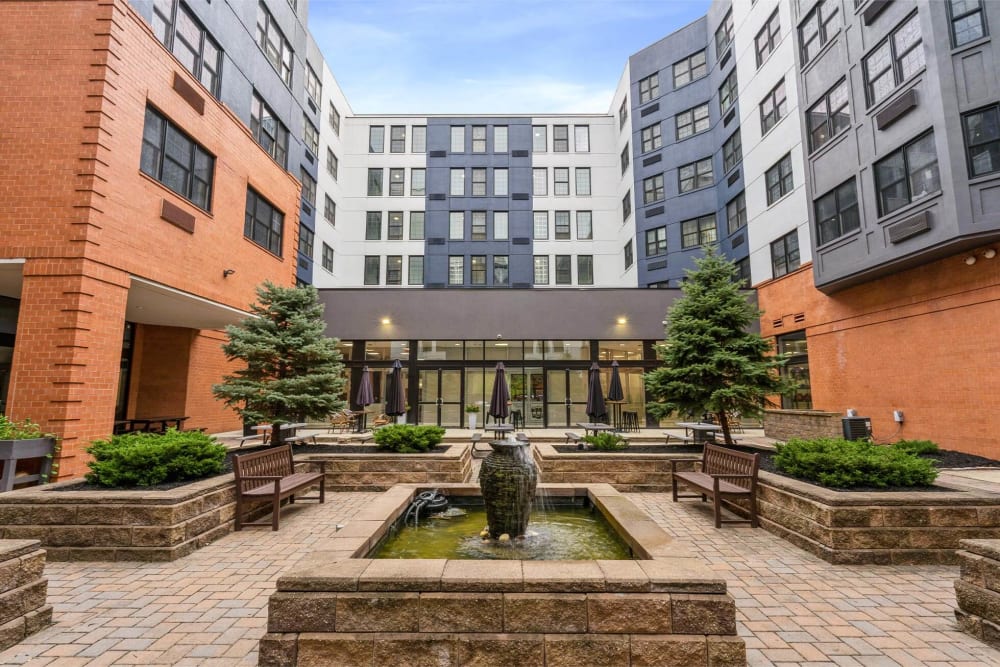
pixel 922 341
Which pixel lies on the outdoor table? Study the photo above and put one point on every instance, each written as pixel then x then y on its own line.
pixel 361 417
pixel 500 430
pixel 702 432
pixel 596 428
pixel 265 429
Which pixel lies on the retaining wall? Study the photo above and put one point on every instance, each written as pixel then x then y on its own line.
pixel 23 610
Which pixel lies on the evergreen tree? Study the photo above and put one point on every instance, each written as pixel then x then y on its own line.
pixel 712 363
pixel 292 370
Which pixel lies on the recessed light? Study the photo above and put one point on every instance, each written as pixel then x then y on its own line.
pixel 622 320
pixel 386 320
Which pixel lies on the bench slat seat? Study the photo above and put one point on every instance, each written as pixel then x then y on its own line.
pixel 285 484
pixel 270 475
pixel 725 473
pixel 703 480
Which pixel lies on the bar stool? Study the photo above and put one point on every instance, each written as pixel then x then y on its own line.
pixel 516 419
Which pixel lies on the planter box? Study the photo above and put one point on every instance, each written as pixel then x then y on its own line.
pixel 11 451
pixel 631 473
pixel 379 471
pixel 786 424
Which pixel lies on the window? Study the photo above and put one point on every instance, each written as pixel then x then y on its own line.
pixel 176 161
pixel 651 138
pixel 397 182
pixel 837 212
pixel 907 174
pixel 376 138
pixel 540 225
pixel 626 205
pixel 540 181
pixel 477 270
pixel 583 181
pixel 967 21
pixel 500 139
pixel 371 269
pixel 817 29
pixel 329 210
pixel 397 140
pixel 778 179
pixel 415 273
pixel 732 152
pixel 727 93
pixel 982 140
pixel 457 183
pixel 373 225
pixel 560 138
pixel 785 254
pixel 269 132
pixel 690 69
pixel 584 225
pixel 767 39
pixel 501 270
pixel 649 88
pixel 394 270
pixel 724 34
pixel 656 241
pixel 374 182
pixel 538 139
pixel 308 186
pixel 395 231
pixel 457 138
pixel 625 158
pixel 456 269
pixel 314 88
pixel 629 255
pixel 456 225
pixel 896 59
pixel 479 182
pixel 736 213
pixel 499 182
pixel 564 270
pixel 623 113
pixel 773 108
pixel 416 225
pixel 263 223
pixel 310 136
pixel 327 258
pixel 652 189
pixel 334 119
pixel 271 40
pixel 562 226
pixel 332 163
pixel 541 266
pixel 560 176
pixel 585 269
pixel 479 225
pixel 478 138
pixel 418 142
pixel 695 175
pixel 698 231
pixel 500 225
pixel 189 42
pixel 829 116
pixel 692 121
pixel 418 182
pixel 742 276
pixel 581 138
pixel 796 368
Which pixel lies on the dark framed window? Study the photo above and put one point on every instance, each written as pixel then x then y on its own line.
pixel 332 163
pixel 500 138
pixel 625 159
pixel 394 270
pixel 418 139
pixel 373 226
pixel 691 122
pixel 652 189
pixel 479 139
pixel 695 175
pixel 456 225
pixel 562 225
pixel 330 210
pixel 539 138
pixel 479 226
pixel 649 88
pixel 690 69
pixel 269 132
pixel 651 138
pixel 272 41
pixel 263 223
pixel 376 138
pixel 334 119
pixel 982 140
pixel 629 255
pixel 456 269
pixel 968 22
pixel 724 34
pixel 501 270
pixel 656 241
pixel 541 269
pixel 375 182
pixel 829 116
pixel 307 238
pixel 176 160
pixel 477 269
pixel 742 276
pixel 584 225
pixel 560 138
pixel 736 213
pixel 327 257
pixel 395 227
pixel 540 225
pixel 698 231
pixel 898 57
pixel 479 182
pixel 560 181
pixel 397 139
pixel 540 181
pixel 500 226
pixel 415 270
pixel 500 182
pixel 837 212
pixel 773 107
pixel 418 182
pixel 184 36
pixel 732 152
pixel 626 205
pixel 785 254
pixel 767 39
pixel 727 93
pixel 372 269
pixel 416 225
pixel 796 368
pixel 457 188
pixel 778 179
pixel 623 113
pixel 582 175
pixel 581 138
pixel 564 270
pixel 457 138
pixel 907 174
pixel 314 87
pixel 585 270
pixel 308 186
pixel 817 29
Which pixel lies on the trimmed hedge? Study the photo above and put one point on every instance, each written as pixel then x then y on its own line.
pixel 844 464
pixel 148 459
pixel 408 438
pixel 917 447
pixel 606 442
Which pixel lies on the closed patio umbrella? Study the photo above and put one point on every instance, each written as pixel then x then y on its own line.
pixel 395 393
pixel 595 395
pixel 364 397
pixel 616 394
pixel 499 399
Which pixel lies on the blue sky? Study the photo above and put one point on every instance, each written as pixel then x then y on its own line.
pixel 474 56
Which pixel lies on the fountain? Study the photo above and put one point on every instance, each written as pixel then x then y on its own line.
pixel 508 479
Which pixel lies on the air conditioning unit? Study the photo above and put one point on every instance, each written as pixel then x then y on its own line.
pixel 857 428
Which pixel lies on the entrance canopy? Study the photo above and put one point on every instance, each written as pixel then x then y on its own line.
pixel 153 303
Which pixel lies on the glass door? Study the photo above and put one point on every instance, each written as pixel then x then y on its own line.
pixel 527 396
pixel 440 397
pixel 566 400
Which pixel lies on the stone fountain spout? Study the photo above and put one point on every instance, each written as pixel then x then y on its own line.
pixel 508 479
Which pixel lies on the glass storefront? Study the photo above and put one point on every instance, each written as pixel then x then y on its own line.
pixel 796 369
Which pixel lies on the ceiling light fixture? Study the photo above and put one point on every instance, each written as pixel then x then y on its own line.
pixel 989 253
pixel 970 260
pixel 622 320
pixel 386 320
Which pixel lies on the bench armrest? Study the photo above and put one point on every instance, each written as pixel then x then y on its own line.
pixel 674 462
pixel 719 476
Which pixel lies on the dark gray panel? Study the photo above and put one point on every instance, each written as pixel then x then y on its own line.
pixel 652 160
pixel 899 107
pixel 652 108
pixel 904 229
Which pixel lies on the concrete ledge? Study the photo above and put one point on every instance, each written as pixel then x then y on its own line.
pixel 23 608
pixel 379 471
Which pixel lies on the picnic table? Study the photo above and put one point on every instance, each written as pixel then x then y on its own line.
pixel 500 430
pixel 148 424
pixel 703 432
pixel 595 427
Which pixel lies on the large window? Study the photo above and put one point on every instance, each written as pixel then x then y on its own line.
pixel 582 175
pixel 308 186
pixel 541 269
pixel 268 130
pixel 829 116
pixel 263 223
pixel 585 270
pixel 456 269
pixel 272 41
pixel 539 139
pixel 332 163
pixel 656 241
pixel 376 138
pixel 499 182
pixel 373 226
pixel 374 182
pixel 773 108
pixel 479 182
pixel 176 161
pixel 372 269
pixel 698 231
pixel 564 270
pixel 625 159
pixel 562 226
pixel 416 225
pixel 837 212
pixel 457 138
pixel 629 255
pixel 651 138
pixel 584 225
pixel 477 269
pixel 310 135
pixel 540 225
pixel 327 257
pixel 736 213
pixel 815 31
pixel 478 226
pixel 501 270
pixel 724 34
pixel 500 139
pixel 767 39
pixel 457 188
pixel 188 40
pixel 779 179
pixel 896 59
pixel 727 93
pixel 652 189
pixel 397 182
pixel 395 230
pixel 314 87
pixel 418 182
pixel 330 210
pixel 456 225
pixel 500 225
pixel 982 140
pixel 690 69
pixel 623 113
pixel 415 270
pixel 691 122
pixel 785 254
pixel 907 174
pixel 967 21
pixel 334 119
pixel 581 138
pixel 742 276
pixel 394 270
pixel 560 138
pixel 695 175
pixel 560 184
pixel 540 181
pixel 732 152
pixel 796 369
pixel 627 205
pixel 397 139
pixel 418 141
pixel 649 88
pixel 479 139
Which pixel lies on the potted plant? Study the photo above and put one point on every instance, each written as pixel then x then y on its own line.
pixel 471 411
pixel 24 440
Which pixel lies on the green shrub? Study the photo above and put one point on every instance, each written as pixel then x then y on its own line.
pixel 24 430
pixel 147 459
pixel 917 447
pixel 606 442
pixel 850 463
pixel 408 438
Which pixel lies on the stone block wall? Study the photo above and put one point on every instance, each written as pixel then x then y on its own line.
pixel 631 473
pixel 786 424
pixel 380 471
pixel 977 590
pixel 23 610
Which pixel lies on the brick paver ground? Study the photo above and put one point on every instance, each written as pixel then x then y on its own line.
pixel 210 608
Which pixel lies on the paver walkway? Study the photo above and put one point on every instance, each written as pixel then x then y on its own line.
pixel 211 607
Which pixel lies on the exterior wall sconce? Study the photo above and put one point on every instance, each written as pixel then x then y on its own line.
pixel 970 260
pixel 988 253
pixel 228 272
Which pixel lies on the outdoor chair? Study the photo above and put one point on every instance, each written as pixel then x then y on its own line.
pixel 340 421
pixel 380 420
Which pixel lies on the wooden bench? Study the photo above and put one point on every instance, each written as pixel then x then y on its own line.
pixel 725 474
pixel 270 476
pixel 298 439
pixel 683 439
pixel 571 437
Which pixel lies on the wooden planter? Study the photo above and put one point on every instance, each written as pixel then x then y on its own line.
pixel 11 451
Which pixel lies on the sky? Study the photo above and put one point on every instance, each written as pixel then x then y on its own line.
pixel 488 56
